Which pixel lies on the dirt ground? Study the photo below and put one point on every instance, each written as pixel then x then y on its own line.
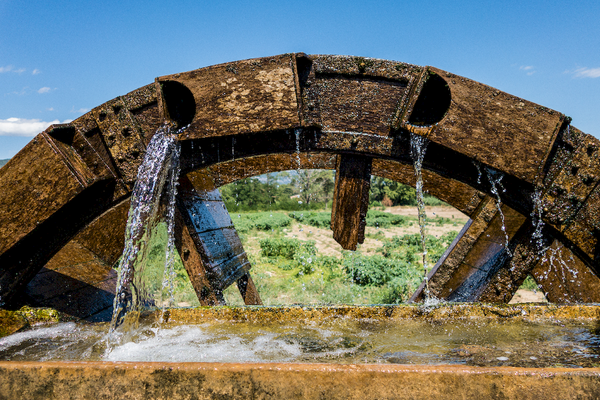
pixel 326 245
pixel 528 296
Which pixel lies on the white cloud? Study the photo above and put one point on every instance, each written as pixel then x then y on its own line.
pixel 11 68
pixel 80 111
pixel 529 69
pixel 24 127
pixel 45 89
pixel 36 72
pixel 51 109
pixel 586 73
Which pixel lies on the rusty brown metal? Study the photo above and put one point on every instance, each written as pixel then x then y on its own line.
pixel 309 105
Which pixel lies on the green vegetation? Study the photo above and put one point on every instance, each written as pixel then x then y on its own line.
pixel 288 270
pixel 283 237
pixel 387 192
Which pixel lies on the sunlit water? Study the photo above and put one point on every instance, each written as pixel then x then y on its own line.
pixel 159 169
pixel 418 146
pixel 467 342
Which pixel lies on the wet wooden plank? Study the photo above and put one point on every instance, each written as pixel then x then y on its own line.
pixel 564 277
pixel 351 200
pixel 248 290
pixel 215 240
pixel 192 261
pixel 461 196
pixel 466 269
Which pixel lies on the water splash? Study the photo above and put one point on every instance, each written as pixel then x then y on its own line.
pixel 418 145
pixel 132 294
pixel 495 179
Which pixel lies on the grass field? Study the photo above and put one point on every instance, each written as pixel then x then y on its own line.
pixel 295 259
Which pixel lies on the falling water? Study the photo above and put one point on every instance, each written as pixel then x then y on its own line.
pixel 495 179
pixel 548 254
pixel 536 220
pixel 168 285
pixel 418 145
pixel 161 164
pixel 297 133
pixel 476 164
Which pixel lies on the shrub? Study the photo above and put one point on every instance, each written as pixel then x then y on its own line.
pixel 316 219
pixel 382 219
pixel 264 221
pixel 286 248
pixel 377 270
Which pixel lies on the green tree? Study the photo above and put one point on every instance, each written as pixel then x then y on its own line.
pixel 314 185
pixel 397 193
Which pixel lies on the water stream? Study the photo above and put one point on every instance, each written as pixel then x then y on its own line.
pixel 418 145
pixel 159 167
pixel 495 179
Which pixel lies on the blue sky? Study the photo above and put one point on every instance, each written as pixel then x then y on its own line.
pixel 59 59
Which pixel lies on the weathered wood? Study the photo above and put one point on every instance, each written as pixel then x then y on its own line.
pixel 564 278
pixel 221 254
pixel 293 103
pixel 244 96
pixel 473 260
pixel 461 196
pixel 351 200
pixel 500 130
pixel 502 286
pixel 79 280
pixel 53 194
pixel 248 290
pixel 192 261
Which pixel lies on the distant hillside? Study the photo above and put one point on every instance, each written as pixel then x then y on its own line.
pixel 2 162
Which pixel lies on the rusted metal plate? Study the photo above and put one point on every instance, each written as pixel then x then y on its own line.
pixel 350 200
pixel 496 128
pixel 244 96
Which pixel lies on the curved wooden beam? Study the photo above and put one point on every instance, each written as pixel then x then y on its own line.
pixel 70 174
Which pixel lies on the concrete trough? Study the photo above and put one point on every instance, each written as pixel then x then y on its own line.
pixel 276 380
